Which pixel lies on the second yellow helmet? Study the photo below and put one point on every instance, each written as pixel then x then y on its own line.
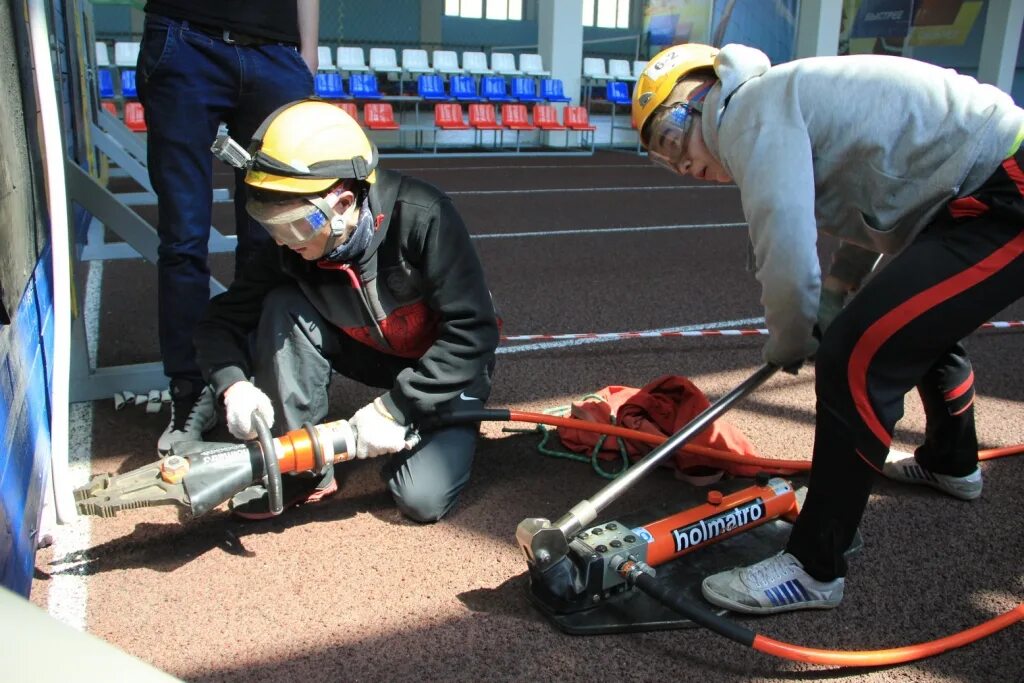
pixel 661 74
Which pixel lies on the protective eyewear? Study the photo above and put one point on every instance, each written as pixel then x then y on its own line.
pixel 669 131
pixel 291 220
pixel 669 135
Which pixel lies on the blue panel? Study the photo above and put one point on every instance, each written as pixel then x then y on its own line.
pixel 44 300
pixel 13 493
pixel 24 458
pixel 6 390
pixel 25 340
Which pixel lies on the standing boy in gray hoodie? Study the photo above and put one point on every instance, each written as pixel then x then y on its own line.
pixel 892 156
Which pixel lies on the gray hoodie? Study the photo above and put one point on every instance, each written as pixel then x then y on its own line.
pixel 867 148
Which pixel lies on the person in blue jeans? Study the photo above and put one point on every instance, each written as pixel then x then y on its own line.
pixel 201 64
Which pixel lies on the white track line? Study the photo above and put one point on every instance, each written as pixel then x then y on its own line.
pixel 617 189
pixel 413 170
pixel 603 231
pixel 67 600
pixel 724 324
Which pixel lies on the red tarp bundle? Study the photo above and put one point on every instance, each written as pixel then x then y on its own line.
pixel 663 407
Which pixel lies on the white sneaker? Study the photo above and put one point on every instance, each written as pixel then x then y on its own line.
pixel 778 584
pixel 905 468
pixel 191 416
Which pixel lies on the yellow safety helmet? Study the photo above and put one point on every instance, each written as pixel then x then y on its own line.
pixel 661 74
pixel 306 147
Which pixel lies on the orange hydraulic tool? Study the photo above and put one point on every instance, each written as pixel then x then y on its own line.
pixel 199 476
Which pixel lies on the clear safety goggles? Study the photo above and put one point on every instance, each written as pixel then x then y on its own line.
pixel 292 220
pixel 668 133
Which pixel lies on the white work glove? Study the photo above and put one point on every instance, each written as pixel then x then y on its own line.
pixel 830 304
pixel 241 400
pixel 377 433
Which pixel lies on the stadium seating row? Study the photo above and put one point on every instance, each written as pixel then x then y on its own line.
pixel 380 116
pixel 330 85
pixel 414 62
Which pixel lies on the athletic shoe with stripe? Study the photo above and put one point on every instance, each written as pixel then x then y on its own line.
pixel 906 469
pixel 778 584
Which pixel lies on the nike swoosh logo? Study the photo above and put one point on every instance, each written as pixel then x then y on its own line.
pixel 464 397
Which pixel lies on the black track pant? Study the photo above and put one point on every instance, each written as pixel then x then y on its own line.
pixel 296 353
pixel 903 330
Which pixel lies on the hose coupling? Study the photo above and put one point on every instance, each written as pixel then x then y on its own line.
pixel 629 568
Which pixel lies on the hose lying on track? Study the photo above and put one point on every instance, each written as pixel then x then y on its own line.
pixel 798 653
pixel 731 629
pixel 768 465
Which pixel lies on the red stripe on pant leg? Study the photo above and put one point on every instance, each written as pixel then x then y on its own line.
pixel 1013 170
pixel 966 207
pixel 964 409
pixel 893 321
pixel 964 387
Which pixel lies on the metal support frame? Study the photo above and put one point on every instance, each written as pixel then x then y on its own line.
pixel 89 383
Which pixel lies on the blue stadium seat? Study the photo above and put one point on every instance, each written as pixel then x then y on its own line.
pixel 128 83
pixel 328 85
pixel 106 83
pixel 463 88
pixel 551 89
pixel 525 90
pixel 493 88
pixel 617 92
pixel 364 86
pixel 431 87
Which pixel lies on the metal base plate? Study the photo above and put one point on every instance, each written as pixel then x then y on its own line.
pixel 634 610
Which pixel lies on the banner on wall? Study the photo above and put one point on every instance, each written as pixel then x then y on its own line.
pixel 887 25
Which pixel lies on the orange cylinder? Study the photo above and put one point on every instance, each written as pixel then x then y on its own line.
pixel 295 451
pixel 719 518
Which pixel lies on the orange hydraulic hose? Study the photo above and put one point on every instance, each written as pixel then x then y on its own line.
pixel 992 453
pixel 772 465
pixel 897 655
pixel 723 626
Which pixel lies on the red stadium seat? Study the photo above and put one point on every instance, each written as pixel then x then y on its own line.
pixel 349 108
pixel 545 117
pixel 482 116
pixel 448 116
pixel 134 117
pixel 576 118
pixel 379 116
pixel 514 117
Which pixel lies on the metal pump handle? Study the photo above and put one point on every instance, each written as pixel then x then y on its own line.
pixel 585 512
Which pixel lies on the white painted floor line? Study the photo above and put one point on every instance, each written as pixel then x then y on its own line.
pixel 541 346
pixel 616 189
pixel 414 170
pixel 604 231
pixel 67 600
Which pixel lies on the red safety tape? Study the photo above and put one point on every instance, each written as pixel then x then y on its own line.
pixel 748 332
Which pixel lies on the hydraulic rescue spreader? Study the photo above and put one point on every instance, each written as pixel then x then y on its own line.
pixel 199 476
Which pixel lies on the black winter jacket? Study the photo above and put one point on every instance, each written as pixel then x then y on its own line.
pixel 418 293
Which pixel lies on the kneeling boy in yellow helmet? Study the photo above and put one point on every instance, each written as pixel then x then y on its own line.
pixel 373 276
pixel 891 156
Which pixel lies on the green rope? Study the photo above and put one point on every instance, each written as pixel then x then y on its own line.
pixel 594 458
